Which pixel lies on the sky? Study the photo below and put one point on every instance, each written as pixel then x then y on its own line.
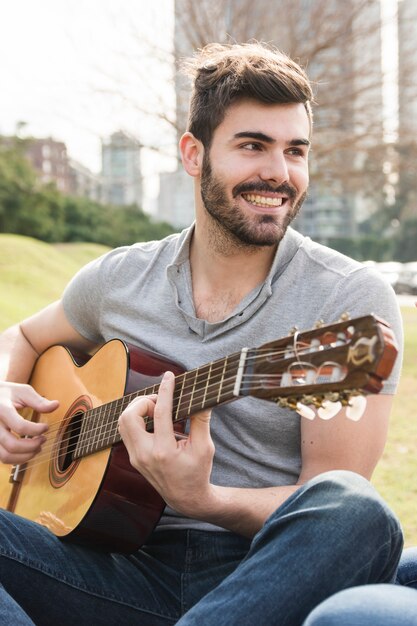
pixel 71 69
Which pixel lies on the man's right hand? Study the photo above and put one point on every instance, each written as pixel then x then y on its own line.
pixel 21 439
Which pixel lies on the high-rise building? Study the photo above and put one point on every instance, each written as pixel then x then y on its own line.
pixel 407 70
pixel 83 182
pixel 339 41
pixel 121 170
pixel 407 107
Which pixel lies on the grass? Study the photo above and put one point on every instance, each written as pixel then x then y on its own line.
pixel 396 474
pixel 33 274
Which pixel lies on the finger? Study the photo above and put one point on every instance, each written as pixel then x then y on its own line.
pixel 17 396
pixel 163 426
pixel 16 459
pixel 26 396
pixel 19 425
pixel 152 397
pixel 133 417
pixel 14 445
pixel 199 436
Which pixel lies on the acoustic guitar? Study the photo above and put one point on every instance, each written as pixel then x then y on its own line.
pixel 81 485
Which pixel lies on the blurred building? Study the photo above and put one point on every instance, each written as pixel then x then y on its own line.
pixel 407 69
pixel 334 208
pixel 83 182
pixel 121 170
pixel 49 158
pixel 51 163
pixel 407 106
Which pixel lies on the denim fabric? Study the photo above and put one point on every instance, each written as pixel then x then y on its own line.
pixel 334 532
pixel 370 605
pixel 407 569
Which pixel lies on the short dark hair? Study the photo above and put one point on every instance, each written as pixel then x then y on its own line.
pixel 225 73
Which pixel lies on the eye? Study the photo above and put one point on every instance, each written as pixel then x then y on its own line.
pixel 296 151
pixel 252 146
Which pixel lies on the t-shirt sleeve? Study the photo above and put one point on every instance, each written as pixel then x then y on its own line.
pixel 85 295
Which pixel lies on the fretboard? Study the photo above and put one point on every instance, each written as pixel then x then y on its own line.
pixel 201 388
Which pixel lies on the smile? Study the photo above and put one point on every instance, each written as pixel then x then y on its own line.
pixel 263 201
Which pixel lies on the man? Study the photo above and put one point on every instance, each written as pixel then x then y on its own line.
pixel 267 514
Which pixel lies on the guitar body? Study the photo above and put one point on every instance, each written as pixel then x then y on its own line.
pixel 99 499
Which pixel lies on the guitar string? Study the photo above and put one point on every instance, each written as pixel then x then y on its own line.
pixel 198 371
pixel 45 451
pixel 190 377
pixel 226 388
pixel 43 456
pixel 113 406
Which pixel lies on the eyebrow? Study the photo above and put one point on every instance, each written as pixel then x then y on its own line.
pixel 253 134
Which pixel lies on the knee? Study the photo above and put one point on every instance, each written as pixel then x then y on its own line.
pixel 346 507
pixel 407 569
pixel 367 605
pixel 348 495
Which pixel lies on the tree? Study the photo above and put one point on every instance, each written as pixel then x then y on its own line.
pixel 29 208
pixel 337 41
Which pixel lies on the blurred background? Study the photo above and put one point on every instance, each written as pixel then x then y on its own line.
pixel 92 107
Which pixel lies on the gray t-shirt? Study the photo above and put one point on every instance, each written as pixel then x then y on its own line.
pixel 143 294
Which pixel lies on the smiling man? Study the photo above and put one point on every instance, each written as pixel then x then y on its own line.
pixel 268 513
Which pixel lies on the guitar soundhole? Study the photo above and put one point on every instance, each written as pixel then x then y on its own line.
pixel 69 442
pixel 63 464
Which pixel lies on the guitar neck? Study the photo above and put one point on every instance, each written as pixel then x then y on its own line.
pixel 216 383
pixel 310 367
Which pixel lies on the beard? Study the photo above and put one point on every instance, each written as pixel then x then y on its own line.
pixel 256 230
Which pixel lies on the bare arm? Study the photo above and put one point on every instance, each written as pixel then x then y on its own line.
pixel 180 471
pixel 20 346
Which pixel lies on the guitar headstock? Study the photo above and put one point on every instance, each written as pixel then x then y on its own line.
pixel 327 367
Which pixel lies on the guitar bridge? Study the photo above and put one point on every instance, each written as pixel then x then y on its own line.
pixel 16 473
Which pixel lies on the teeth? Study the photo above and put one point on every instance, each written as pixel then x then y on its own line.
pixel 262 200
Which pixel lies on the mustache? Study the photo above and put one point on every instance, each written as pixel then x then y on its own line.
pixel 285 188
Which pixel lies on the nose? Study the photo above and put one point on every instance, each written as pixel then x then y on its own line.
pixel 275 168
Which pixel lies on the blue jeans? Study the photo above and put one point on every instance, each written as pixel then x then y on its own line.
pixel 334 532
pixel 374 605
pixel 370 605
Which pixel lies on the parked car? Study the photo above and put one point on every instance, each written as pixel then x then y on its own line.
pixel 391 270
pixel 407 280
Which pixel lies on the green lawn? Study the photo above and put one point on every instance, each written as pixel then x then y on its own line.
pixel 33 274
pixel 396 474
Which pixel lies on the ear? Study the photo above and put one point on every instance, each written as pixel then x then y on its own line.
pixel 192 152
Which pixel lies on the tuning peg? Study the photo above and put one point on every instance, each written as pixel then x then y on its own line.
pixel 329 409
pixel 319 324
pixel 344 317
pixel 356 408
pixel 293 330
pixel 305 411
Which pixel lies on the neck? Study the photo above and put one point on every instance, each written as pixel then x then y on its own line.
pixel 221 258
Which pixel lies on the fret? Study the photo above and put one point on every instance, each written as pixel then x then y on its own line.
pixel 106 431
pixel 208 378
pixel 219 395
pixel 100 426
pixel 190 404
pixel 202 387
pixel 95 426
pixel 80 447
pixel 177 410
